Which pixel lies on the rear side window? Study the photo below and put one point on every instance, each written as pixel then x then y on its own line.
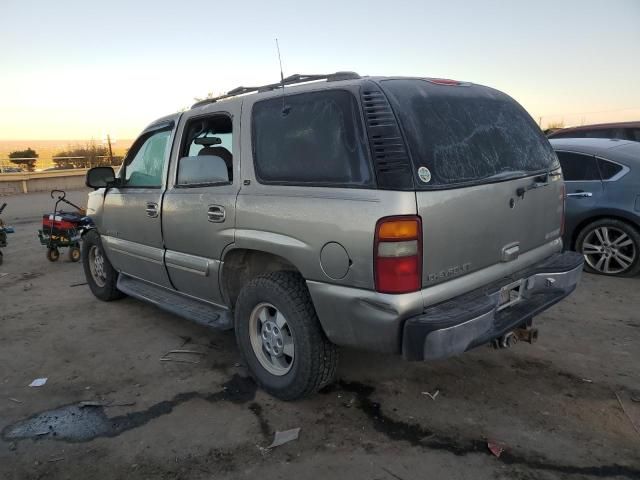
pixel 466 134
pixel 311 139
pixel 577 167
pixel 608 169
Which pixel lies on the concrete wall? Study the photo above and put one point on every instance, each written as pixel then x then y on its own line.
pixel 13 183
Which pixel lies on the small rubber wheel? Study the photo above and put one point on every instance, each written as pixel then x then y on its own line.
pixel 101 276
pixel 610 247
pixel 53 254
pixel 280 337
pixel 74 254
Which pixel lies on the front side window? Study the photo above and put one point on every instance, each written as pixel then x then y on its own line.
pixel 577 167
pixel 311 139
pixel 147 164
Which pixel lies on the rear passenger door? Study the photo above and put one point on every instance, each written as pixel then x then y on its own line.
pixel 583 184
pixel 198 213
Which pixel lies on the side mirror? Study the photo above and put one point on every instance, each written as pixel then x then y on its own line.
pixel 100 177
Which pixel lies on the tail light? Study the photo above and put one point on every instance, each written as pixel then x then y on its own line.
pixel 398 254
pixel 563 201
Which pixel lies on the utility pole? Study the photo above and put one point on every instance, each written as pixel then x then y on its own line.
pixel 110 151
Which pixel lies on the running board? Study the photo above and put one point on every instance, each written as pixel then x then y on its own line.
pixel 205 314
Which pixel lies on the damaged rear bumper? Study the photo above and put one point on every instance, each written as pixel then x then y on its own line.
pixel 478 317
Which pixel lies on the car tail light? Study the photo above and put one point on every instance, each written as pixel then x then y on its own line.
pixel 398 254
pixel 563 201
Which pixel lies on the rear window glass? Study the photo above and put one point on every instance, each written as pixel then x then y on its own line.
pixel 577 167
pixel 467 134
pixel 608 169
pixel 311 139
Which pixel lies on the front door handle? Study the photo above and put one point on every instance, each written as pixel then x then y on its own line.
pixel 580 194
pixel 216 213
pixel 151 209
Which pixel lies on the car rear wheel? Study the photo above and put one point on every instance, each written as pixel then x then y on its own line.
pixel 101 276
pixel 610 247
pixel 280 337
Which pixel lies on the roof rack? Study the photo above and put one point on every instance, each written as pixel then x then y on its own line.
pixel 290 80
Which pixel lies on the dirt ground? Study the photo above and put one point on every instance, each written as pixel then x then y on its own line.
pixel 555 406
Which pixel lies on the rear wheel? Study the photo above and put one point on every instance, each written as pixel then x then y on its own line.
pixel 610 247
pixel 280 337
pixel 53 254
pixel 101 276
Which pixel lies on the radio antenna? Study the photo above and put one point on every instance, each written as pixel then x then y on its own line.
pixel 284 109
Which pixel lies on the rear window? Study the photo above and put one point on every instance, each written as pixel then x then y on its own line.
pixel 314 139
pixel 608 169
pixel 466 134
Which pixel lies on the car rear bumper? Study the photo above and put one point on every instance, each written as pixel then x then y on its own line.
pixel 476 318
pixel 407 324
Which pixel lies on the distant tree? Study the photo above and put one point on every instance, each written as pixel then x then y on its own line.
pixel 25 158
pixel 555 125
pixel 84 156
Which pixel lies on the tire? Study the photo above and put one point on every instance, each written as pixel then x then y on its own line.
pixel 610 247
pixel 315 358
pixel 103 285
pixel 74 254
pixel 53 254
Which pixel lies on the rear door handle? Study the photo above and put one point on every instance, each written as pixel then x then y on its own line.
pixel 151 209
pixel 216 213
pixel 580 194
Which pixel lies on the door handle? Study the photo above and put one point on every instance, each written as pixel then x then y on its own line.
pixel 580 194
pixel 216 214
pixel 151 209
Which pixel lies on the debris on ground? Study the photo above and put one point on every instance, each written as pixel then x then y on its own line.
pixel 55 459
pixel 431 396
pixel 78 284
pixel 15 400
pixel 495 448
pixel 27 286
pixel 38 382
pixel 168 357
pixel 13 446
pixel 631 411
pixel 280 438
pixel 586 380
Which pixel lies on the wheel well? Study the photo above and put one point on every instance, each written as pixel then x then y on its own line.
pixel 584 223
pixel 242 265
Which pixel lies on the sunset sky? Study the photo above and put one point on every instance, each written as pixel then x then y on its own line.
pixel 80 69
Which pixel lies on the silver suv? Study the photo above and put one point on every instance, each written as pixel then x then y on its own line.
pixel 418 216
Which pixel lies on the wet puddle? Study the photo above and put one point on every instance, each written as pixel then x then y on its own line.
pixel 74 423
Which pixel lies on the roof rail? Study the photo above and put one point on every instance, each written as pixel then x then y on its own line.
pixel 290 80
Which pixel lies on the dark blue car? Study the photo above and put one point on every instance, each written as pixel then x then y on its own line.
pixel 603 202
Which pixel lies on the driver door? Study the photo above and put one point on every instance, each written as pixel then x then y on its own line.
pixel 132 230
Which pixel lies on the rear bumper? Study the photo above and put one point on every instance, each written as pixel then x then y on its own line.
pixel 455 315
pixel 476 318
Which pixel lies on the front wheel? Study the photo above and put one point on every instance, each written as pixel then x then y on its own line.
pixel 101 276
pixel 280 337
pixel 53 254
pixel 610 247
